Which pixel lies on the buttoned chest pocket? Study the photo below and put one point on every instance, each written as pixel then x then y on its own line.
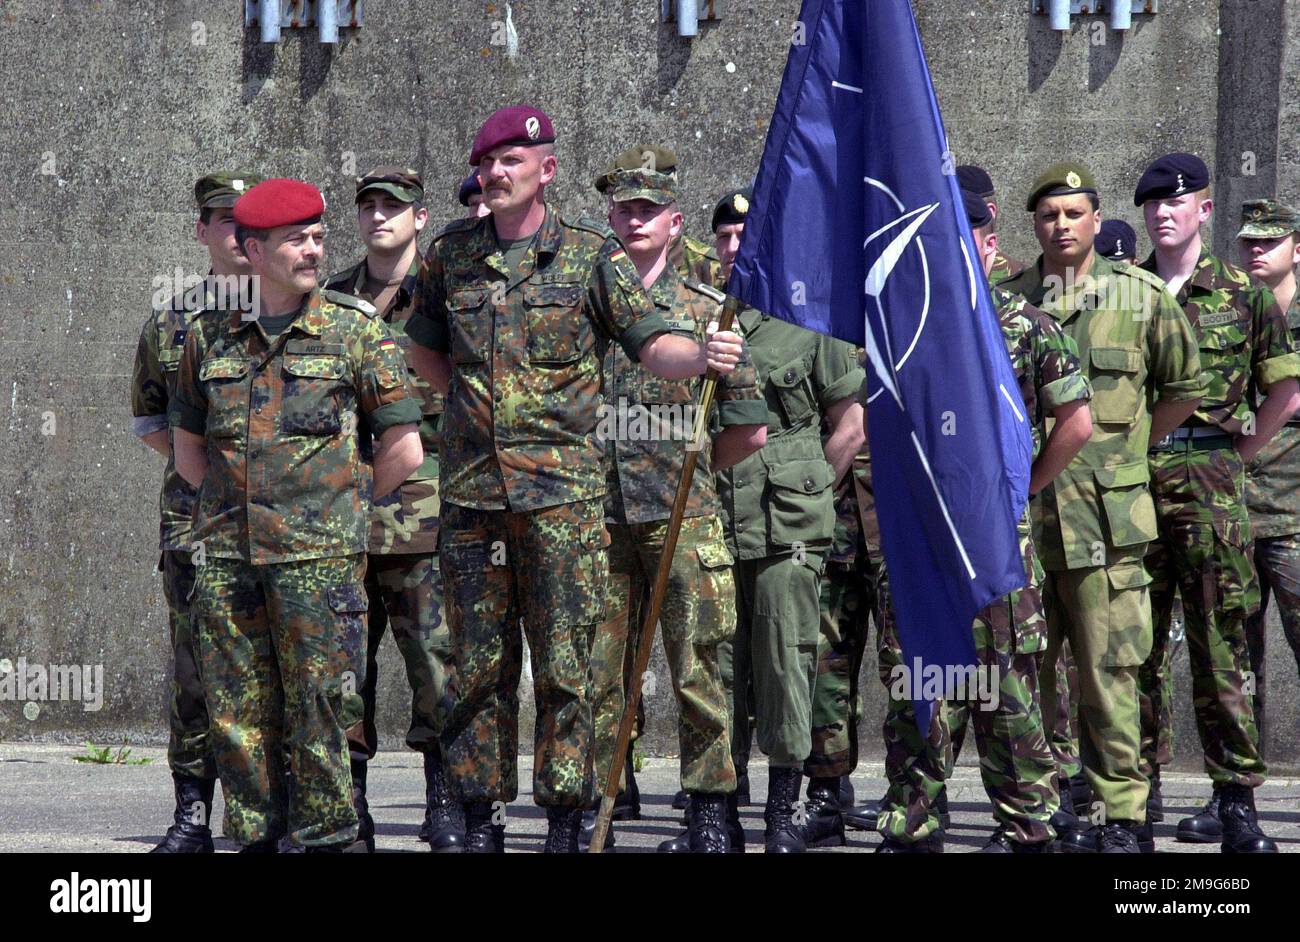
pixel 655 389
pixel 555 323
pixel 225 382
pixel 794 394
pixel 1117 382
pixel 312 387
pixel 1224 357
pixel 470 318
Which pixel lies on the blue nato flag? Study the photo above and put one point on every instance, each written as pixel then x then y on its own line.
pixel 857 230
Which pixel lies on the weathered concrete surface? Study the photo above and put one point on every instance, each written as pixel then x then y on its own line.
pixel 55 805
pixel 114 108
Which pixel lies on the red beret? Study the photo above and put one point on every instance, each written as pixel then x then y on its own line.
pixel 279 202
pixel 518 124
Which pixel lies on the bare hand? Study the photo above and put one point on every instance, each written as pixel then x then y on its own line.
pixel 724 349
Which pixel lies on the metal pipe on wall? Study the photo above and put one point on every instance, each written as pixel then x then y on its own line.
pixel 327 20
pixel 1121 14
pixel 1058 12
pixel 688 17
pixel 268 16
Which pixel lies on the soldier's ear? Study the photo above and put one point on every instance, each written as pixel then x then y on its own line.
pixel 421 217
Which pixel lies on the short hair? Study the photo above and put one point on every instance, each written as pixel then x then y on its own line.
pixel 244 233
pixel 205 215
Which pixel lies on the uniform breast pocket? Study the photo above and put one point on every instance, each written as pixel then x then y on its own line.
pixel 1223 359
pixel 799 502
pixel 470 318
pixel 312 387
pixel 225 382
pixel 1117 383
pixel 555 323
pixel 794 393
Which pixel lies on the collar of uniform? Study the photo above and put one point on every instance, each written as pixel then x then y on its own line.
pixel 1031 285
pixel 309 319
pixel 664 291
pixel 349 280
pixel 749 319
pixel 1204 275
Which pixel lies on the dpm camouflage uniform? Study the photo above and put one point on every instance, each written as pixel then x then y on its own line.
pixel 523 486
pixel 1093 523
pixel 282 520
pixel 153 386
pixel 1273 497
pixel 699 609
pixel 1016 763
pixel 403 579
pixel 1004 267
pixel 1204 545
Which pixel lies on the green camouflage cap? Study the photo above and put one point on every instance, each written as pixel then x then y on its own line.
pixel 221 190
pixel 401 182
pixel 1061 180
pixel 640 157
pixel 1267 219
pixel 650 185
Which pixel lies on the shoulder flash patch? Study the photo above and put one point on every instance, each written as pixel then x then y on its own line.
pixel 347 300
pixel 707 290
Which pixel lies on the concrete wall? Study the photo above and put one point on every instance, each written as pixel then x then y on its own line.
pixel 115 107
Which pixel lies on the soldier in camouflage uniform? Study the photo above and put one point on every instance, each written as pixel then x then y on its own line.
pixel 1198 476
pixel 1093 523
pixel 403 580
pixel 266 424
pixel 644 466
pixel 1016 764
pixel 153 386
pixel 694 260
pixel 975 179
pixel 1269 243
pixel 514 313
pixel 779 517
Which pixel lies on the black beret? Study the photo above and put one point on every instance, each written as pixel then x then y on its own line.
pixel 1172 175
pixel 976 179
pixel 977 209
pixel 732 208
pixel 1116 240
pixel 468 187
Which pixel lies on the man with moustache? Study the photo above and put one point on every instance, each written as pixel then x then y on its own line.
pixel 267 423
pixel 514 315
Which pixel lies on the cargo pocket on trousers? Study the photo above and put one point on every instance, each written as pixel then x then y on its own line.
pixel 715 620
pixel 1128 642
pixel 1130 511
pixel 1028 626
pixel 349 605
pixel 588 607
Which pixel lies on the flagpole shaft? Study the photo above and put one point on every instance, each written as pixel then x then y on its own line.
pixel 645 641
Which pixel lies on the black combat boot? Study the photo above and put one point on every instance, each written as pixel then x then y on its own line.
pixel 1125 837
pixel 562 826
pixel 680 799
pixel 1080 794
pixel 588 830
pixel 863 817
pixel 268 846
pixel 846 796
pixel 1065 822
pixel 444 823
pixel 823 822
pixel 782 835
pixel 926 845
pixel 1155 800
pixel 742 787
pixel 1001 843
pixel 627 806
pixel 1241 831
pixel 941 806
pixel 190 833
pixel 481 835
pixel 1204 827
pixel 735 830
pixel 708 830
pixel 365 842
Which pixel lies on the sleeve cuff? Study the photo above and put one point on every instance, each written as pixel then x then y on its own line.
pixel 144 425
pixel 635 337
pixel 427 333
pixel 185 416
pixel 742 412
pixel 403 412
pixel 847 385
pixel 1064 390
pixel 1183 390
pixel 1268 372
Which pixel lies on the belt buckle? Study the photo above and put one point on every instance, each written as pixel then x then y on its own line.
pixel 1166 443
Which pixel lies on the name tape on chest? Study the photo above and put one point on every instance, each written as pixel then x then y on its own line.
pixel 1217 318
pixel 314 348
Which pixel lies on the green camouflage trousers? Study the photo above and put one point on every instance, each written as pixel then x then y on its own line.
pixel 1016 763
pixel 279 645
pixel 405 595
pixel 699 610
pixel 548 569
pixel 848 598
pixel 187 711
pixel 1104 612
pixel 1157 712
pixel 777 622
pixel 1204 553
pixel 1277 563
pixel 1065 727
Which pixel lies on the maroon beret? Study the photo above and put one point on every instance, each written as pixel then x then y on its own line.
pixel 518 124
pixel 279 202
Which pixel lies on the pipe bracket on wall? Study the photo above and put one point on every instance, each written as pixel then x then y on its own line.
pixel 1120 12
pixel 328 16
pixel 688 13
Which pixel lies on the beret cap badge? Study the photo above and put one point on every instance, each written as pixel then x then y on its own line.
pixel 740 203
pixel 1073 179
